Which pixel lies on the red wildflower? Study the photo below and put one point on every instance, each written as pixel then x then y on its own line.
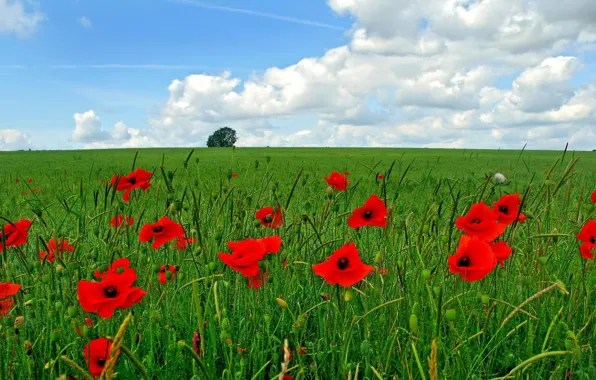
pixel 343 267
pixel 118 220
pixel 473 260
pixel 287 377
pixel 246 255
pixel 97 353
pixel 588 236
pixel 372 213
pixel 162 231
pixel 593 197
pixel 8 290
pixel 163 278
pixel 137 179
pixel 182 243
pixel 17 180
pixel 234 175
pixel 113 291
pixel 14 234
pixel 56 247
pixel 270 217
pixel 507 208
pixel 337 181
pixel 346 173
pixel 501 250
pixel 382 271
pixel 381 177
pixel 6 305
pixel 89 322
pixel 255 282
pixel 29 180
pixel 196 343
pixel 481 222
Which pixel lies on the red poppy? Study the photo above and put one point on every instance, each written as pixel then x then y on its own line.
pixel 97 353
pixel 270 217
pixel 234 175
pixel 196 343
pixel 29 180
pixel 588 236
pixel 343 267
pixel 118 220
pixel 372 213
pixel 17 180
pixel 8 290
pixel 113 291
pixel 137 179
pixel 56 247
pixel 162 231
pixel 473 260
pixel 346 173
pixel 163 278
pixel 287 377
pixel 593 197
pixel 182 243
pixel 6 305
pixel 337 181
pixel 507 208
pixel 522 218
pixel 246 254
pixel 382 271
pixel 14 234
pixel 481 222
pixel 381 176
pixel 501 250
pixel 255 282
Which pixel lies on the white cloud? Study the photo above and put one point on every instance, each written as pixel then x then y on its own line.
pixel 88 128
pixel 85 21
pixel 12 139
pixel 15 19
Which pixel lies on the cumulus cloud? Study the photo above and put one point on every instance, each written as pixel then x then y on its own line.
pixel 14 18
pixel 12 139
pixel 88 128
pixel 436 73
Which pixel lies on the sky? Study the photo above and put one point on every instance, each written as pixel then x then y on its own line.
pixel 494 74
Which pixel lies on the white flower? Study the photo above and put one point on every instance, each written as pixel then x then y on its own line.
pixel 499 178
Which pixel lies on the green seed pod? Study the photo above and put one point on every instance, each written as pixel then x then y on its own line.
pixel 329 192
pixel 444 238
pixel 155 268
pixel 225 323
pixel 86 331
pixel 72 311
pixel 485 298
pixel 180 276
pixel 212 266
pixel 543 260
pixel 379 258
pixel 229 173
pixel 267 318
pixel 218 236
pixel 28 297
pixel 547 182
pixel 426 274
pixel 348 295
pixel 437 290
pixel 451 314
pixel 413 323
pixel 416 308
pixel 55 336
pixel 58 305
pixel 214 195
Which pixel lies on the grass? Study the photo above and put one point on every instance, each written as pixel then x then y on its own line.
pixel 536 317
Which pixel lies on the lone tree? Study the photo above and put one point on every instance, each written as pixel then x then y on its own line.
pixel 223 137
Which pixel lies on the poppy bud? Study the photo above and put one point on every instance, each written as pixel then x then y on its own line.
pixel 329 192
pixel 170 174
pixel 282 303
pixel 180 276
pixel 155 268
pixel 444 238
pixel 547 182
pixel 543 260
pixel 218 235
pixel 379 257
pixel 348 295
pixel 155 317
pixel 437 290
pixel 19 321
pixel 413 323
pixel 214 195
pixel 451 314
pixel 225 323
pixel 28 347
pixel 325 296
pixel 212 266
pixel 55 336
pixel 304 217
pixel 485 298
pixel 425 228
pixel 570 340
pixel 72 311
pixel 177 205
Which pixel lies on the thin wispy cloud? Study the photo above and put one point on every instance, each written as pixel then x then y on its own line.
pixel 250 12
pixel 123 66
pixel 8 67
pixel 84 21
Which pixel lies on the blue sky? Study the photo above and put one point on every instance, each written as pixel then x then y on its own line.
pixel 311 72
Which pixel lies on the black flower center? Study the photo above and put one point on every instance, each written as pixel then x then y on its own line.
pixel 101 362
pixel 132 181
pixel 110 291
pixel 476 221
pixel 593 240
pixel 367 214
pixel 342 263
pixel 463 261
pixel 504 209
pixel 158 229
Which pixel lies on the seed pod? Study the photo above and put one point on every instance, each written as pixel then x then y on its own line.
pixel 413 323
pixel 28 347
pixel 348 295
pixel 485 298
pixel 426 274
pixel 329 192
pixel 282 303
pixel 451 314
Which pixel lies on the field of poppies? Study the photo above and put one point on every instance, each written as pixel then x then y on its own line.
pixel 297 264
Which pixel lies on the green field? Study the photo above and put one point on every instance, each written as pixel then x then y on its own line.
pixel 536 317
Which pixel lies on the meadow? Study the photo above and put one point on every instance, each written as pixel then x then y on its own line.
pixel 198 307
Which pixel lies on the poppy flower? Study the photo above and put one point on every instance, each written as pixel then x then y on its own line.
pixel 114 291
pixel 346 173
pixel 473 260
pixel 381 177
pixel 481 222
pixel 17 180
pixel 29 180
pixel 372 213
pixel 118 220
pixel 196 343
pixel 8 290
pixel 97 353
pixel 588 236
pixel 343 267
pixel 507 208
pixel 182 243
pixel 593 197
pixel 56 247
pixel 246 254
pixel 14 234
pixel 163 278
pixel 337 181
pixel 234 175
pixel 162 231
pixel 255 282
pixel 118 267
pixel 6 305
pixel 270 217
pixel 137 179
pixel 501 250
